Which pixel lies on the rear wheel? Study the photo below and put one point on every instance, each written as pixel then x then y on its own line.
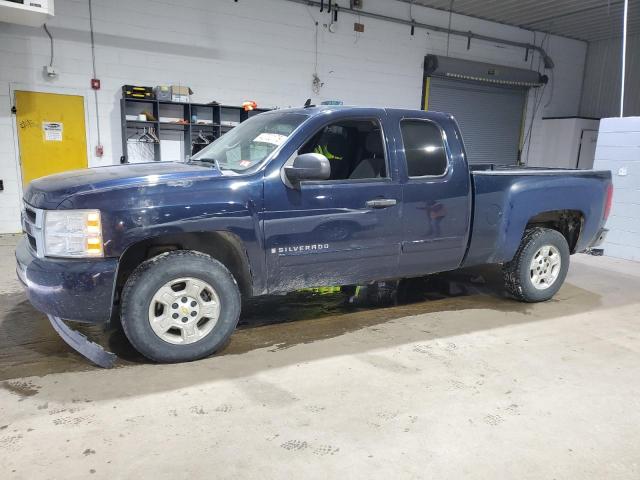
pixel 539 267
pixel 180 306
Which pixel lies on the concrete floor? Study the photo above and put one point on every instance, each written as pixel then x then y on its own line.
pixel 469 385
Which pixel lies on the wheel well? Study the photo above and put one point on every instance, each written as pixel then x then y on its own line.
pixel 225 247
pixel 568 222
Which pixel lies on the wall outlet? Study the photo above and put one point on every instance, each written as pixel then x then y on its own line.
pixel 622 172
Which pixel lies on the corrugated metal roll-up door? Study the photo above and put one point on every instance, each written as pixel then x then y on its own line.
pixel 490 117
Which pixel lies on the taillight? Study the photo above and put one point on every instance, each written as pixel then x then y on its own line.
pixel 607 203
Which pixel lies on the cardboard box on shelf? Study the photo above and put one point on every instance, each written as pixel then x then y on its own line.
pixel 181 93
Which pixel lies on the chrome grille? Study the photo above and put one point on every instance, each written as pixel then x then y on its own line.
pixel 33 226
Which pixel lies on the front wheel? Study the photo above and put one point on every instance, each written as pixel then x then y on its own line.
pixel 180 306
pixel 539 267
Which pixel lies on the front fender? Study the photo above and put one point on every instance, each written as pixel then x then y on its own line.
pixel 222 204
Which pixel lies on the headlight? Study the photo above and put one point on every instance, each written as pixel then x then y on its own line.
pixel 72 233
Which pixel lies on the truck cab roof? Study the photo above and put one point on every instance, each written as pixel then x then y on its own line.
pixel 345 110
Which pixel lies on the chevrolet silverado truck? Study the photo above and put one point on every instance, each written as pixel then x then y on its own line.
pixel 287 200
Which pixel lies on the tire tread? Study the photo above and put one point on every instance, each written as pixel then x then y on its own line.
pixel 512 271
pixel 144 267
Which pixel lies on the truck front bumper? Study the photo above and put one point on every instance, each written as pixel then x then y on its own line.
pixel 80 290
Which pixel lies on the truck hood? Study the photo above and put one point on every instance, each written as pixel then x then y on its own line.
pixel 49 192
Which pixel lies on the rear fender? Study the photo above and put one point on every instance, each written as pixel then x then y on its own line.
pixel 530 196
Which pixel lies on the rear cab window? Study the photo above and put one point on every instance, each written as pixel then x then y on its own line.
pixel 424 148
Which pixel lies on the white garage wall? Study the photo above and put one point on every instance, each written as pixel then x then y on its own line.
pixel 252 49
pixel 561 145
pixel 617 150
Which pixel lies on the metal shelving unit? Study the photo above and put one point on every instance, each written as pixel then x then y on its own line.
pixel 213 120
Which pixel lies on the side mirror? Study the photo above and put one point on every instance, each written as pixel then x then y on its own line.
pixel 308 166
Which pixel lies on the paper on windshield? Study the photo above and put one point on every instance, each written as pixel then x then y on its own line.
pixel 272 138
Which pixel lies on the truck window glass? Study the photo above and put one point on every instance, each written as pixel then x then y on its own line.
pixel 423 148
pixel 355 149
pixel 245 147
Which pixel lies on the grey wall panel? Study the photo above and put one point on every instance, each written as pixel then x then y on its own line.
pixel 490 117
pixel 601 88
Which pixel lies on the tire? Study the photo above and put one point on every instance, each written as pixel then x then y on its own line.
pixel 178 334
pixel 539 281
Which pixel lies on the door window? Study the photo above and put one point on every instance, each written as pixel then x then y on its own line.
pixel 354 148
pixel 423 148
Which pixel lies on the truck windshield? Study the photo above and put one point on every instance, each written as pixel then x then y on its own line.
pixel 250 143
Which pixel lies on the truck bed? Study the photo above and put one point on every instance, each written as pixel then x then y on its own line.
pixel 506 198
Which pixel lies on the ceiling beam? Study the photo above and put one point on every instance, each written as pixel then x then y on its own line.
pixel 567 18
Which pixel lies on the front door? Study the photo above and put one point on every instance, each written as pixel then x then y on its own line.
pixel 51 133
pixel 341 231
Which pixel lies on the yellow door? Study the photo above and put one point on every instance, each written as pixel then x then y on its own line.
pixel 51 133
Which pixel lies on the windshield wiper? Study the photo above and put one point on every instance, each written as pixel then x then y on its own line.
pixel 208 160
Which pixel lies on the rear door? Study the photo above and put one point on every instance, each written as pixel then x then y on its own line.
pixel 436 195
pixel 340 231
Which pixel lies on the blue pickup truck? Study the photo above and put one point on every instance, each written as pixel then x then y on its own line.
pixel 292 199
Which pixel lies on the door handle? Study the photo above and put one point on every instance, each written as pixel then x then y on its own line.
pixel 381 203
